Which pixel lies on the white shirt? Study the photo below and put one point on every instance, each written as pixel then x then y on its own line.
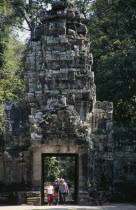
pixel 50 189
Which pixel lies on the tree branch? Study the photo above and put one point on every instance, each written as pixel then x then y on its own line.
pixel 23 14
pixel 21 27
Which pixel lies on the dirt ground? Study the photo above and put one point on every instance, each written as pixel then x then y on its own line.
pixel 113 206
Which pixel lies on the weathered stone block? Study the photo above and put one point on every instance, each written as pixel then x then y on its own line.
pixel 63 56
pixel 30 97
pixel 63 39
pixel 52 40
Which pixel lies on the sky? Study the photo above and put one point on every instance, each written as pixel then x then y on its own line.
pixel 23 35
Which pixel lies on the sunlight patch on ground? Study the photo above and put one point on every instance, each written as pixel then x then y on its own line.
pixel 60 207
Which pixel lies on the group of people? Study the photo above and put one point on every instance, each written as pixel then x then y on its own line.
pixel 57 193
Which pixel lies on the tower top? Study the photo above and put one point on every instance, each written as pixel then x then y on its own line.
pixel 61 4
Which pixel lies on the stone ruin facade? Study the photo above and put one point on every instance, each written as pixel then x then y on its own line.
pixel 60 115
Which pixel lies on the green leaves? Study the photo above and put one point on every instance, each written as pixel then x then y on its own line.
pixel 51 169
pixel 10 82
pixel 11 69
pixel 59 166
pixel 112 35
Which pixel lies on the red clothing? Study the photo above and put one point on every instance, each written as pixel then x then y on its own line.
pixel 50 198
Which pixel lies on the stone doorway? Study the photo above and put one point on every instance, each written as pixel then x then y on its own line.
pixel 60 163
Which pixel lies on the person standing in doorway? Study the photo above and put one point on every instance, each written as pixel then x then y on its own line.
pixel 72 189
pixel 63 189
pixel 50 192
pixel 56 195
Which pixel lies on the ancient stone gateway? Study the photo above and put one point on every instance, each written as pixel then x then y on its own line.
pixel 61 90
pixel 63 112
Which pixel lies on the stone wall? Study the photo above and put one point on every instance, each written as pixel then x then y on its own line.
pixel 16 143
pixel 124 165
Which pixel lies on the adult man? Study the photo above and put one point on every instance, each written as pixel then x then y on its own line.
pixel 63 189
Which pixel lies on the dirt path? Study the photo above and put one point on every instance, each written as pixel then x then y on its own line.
pixel 106 207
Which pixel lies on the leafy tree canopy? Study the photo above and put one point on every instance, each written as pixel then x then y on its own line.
pixel 11 70
pixel 59 167
pixel 112 33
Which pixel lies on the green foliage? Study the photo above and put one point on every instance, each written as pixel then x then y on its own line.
pixel 60 166
pixel 10 58
pixel 66 167
pixel 112 33
pixel 4 29
pixel 84 6
pixel 8 16
pixel 10 72
pixel 51 171
pixel 23 10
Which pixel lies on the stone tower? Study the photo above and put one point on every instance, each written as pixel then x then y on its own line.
pixel 59 81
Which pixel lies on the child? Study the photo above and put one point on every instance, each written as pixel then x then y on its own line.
pixel 50 192
pixel 72 192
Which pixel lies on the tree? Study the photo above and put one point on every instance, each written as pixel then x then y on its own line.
pixel 66 166
pixel 59 166
pixel 51 171
pixel 10 74
pixel 11 70
pixel 112 28
pixel 27 10
pixel 84 6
